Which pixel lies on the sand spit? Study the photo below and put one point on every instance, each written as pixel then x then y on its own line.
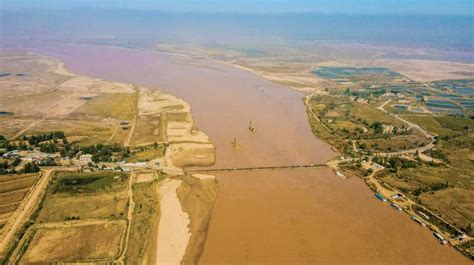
pixel 202 176
pixel 173 232
pixel 187 145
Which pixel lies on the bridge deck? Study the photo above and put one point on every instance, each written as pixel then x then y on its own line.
pixel 210 170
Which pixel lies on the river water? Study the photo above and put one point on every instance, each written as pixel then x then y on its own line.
pixel 303 216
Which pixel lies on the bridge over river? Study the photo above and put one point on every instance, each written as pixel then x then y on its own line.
pixel 211 170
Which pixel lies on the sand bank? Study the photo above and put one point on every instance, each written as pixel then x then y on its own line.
pixel 173 232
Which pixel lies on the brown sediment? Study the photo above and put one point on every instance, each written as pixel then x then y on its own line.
pixel 282 216
pixel 197 194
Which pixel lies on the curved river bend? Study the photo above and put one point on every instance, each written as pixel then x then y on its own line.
pixel 304 216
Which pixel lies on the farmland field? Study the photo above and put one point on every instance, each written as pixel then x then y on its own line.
pixel 356 74
pixel 84 206
pixel 75 183
pixel 13 188
pixel 75 243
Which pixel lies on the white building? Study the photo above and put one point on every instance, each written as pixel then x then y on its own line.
pixel 36 155
pixel 86 158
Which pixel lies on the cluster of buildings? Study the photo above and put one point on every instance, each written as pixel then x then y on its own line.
pixel 30 156
pixel 83 160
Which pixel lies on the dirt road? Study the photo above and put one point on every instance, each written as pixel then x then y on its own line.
pixel 24 211
pixel 427 134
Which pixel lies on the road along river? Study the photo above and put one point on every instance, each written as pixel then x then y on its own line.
pixel 303 216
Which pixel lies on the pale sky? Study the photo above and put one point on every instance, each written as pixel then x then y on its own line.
pixel 438 7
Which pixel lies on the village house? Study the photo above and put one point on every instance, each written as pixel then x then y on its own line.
pixel 36 156
pixel 86 158
pixel 387 128
pixel 11 154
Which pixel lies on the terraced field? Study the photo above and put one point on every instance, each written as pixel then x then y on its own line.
pixel 13 188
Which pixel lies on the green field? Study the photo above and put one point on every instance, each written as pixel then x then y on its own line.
pixel 74 183
pixel 145 218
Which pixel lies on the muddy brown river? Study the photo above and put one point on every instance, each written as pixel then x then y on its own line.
pixel 303 216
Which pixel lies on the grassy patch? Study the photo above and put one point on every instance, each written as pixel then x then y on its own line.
pixel 112 205
pixel 88 182
pixel 147 154
pixel 114 105
pixel 72 244
pixel 84 132
pixel 397 143
pixel 148 130
pixel 144 222
pixel 455 123
pixel 371 114
pixel 429 123
pixel 454 204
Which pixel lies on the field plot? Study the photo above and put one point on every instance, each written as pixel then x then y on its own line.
pixel 120 106
pixel 13 188
pixel 84 183
pixel 83 132
pixel 442 125
pixel 81 218
pixel 144 225
pixel 353 74
pixel 75 243
pixel 148 130
pixel 87 206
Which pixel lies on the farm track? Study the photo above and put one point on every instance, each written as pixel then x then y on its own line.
pixel 24 211
pixel 131 209
pixel 132 131
pixel 113 134
pixel 427 134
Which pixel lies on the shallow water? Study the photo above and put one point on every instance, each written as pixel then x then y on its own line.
pixel 282 216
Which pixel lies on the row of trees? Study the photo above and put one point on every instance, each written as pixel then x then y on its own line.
pixel 34 140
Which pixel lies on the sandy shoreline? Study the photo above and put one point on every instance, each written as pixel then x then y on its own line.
pixel 173 233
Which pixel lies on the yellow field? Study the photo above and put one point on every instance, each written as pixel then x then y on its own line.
pixel 371 114
pixel 13 188
pixel 428 122
pixel 148 130
pixel 86 132
pixel 75 243
pixel 84 206
pixel 146 155
pixel 121 106
pixel 145 218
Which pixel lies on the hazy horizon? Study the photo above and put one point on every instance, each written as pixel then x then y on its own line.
pixel 414 7
pixel 372 23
